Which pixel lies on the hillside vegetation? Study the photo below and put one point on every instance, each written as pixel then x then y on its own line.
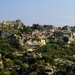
pixel 34 48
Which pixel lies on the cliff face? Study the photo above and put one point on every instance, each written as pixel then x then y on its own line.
pixel 39 43
pixel 30 44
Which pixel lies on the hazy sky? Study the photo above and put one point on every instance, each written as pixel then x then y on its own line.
pixel 54 12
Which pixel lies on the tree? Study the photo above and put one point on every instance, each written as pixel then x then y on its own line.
pixel 35 66
pixel 65 39
pixel 25 59
pixel 8 63
pixel 47 58
pixel 15 43
pixel 32 73
pixel 5 73
pixel 24 66
pixel 11 56
pixel 13 72
pixel 18 62
pixel 32 60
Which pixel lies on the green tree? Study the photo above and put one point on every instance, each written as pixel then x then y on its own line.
pixel 18 62
pixel 15 43
pixel 47 58
pixel 32 73
pixel 8 63
pixel 24 66
pixel 32 60
pixel 13 72
pixel 3 72
pixel 11 56
pixel 25 59
pixel 66 39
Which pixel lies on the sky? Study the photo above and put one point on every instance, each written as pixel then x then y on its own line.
pixel 52 12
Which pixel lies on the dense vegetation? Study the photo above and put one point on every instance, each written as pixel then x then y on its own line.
pixel 57 51
pixel 10 48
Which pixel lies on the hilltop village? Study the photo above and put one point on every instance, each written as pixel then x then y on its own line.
pixel 37 49
pixel 37 35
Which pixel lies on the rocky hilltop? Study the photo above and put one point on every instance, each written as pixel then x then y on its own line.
pixel 36 35
pixel 37 49
pixel 17 24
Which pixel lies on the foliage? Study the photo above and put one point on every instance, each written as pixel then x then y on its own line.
pixel 11 56
pixel 32 60
pixel 54 50
pixel 50 51
pixel 24 66
pixel 32 73
pixel 8 63
pixel 25 29
pixel 57 34
pixel 66 39
pixel 3 72
pixel 36 39
pixel 17 62
pixel 13 72
pixel 15 43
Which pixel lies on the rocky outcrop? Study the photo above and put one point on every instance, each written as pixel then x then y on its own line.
pixel 4 33
pixel 16 24
pixel 38 43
